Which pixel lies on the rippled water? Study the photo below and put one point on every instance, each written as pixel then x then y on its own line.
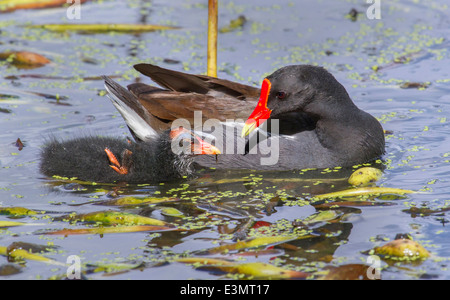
pixel 371 58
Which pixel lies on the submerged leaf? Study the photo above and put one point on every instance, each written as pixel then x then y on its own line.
pixel 255 242
pixel 171 212
pixel 113 267
pixel 254 269
pixel 17 211
pixel 31 247
pixel 347 272
pixel 102 28
pixel 321 216
pixel 268 251
pixel 351 204
pixel 137 200
pixel 11 223
pixel 17 254
pixel 425 211
pixel 415 85
pixel 364 191
pixel 10 269
pixel 5 110
pixel 112 229
pixel 116 217
pixel 204 261
pixel 20 254
pixel 258 270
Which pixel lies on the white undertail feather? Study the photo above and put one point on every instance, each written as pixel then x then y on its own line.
pixel 138 125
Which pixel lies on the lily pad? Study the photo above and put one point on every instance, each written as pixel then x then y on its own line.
pixel 365 176
pixel 402 249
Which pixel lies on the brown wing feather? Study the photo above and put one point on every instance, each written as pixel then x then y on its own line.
pixel 173 80
pixel 216 98
pixel 201 84
pixel 169 105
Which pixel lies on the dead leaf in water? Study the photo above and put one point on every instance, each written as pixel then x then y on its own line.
pixel 347 272
pixel 112 268
pixel 415 85
pixel 200 261
pixel 56 97
pixel 12 5
pixel 17 254
pixel 130 200
pixel 17 211
pixel 24 59
pixel 116 218
pixel 351 204
pixel 258 270
pixel 103 28
pixel 255 242
pixel 402 249
pixel 11 223
pixel 364 191
pixel 19 144
pixel 5 110
pixel 254 269
pixel 111 229
pixel 425 211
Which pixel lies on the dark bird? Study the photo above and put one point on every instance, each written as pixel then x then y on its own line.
pixel 312 122
pixel 111 159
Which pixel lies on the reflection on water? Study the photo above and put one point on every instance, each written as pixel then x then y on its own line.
pixel 396 68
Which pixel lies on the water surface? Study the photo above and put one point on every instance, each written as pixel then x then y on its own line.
pixel 373 59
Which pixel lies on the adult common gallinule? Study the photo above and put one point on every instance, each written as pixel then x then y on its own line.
pixel 319 125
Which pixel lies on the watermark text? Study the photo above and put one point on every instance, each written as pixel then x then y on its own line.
pixel 74 268
pixel 374 10
pixel 74 10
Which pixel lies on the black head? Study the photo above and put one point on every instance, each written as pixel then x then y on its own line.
pixel 310 91
pixel 305 88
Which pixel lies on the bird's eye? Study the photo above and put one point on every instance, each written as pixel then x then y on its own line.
pixel 281 95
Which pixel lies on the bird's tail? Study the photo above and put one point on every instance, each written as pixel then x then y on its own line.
pixel 135 115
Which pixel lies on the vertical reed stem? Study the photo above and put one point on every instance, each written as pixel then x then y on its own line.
pixel 212 38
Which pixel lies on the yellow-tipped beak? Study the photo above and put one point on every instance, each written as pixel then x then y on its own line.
pixel 249 126
pixel 261 112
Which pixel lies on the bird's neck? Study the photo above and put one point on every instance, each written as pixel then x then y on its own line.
pixel 332 133
pixel 357 135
